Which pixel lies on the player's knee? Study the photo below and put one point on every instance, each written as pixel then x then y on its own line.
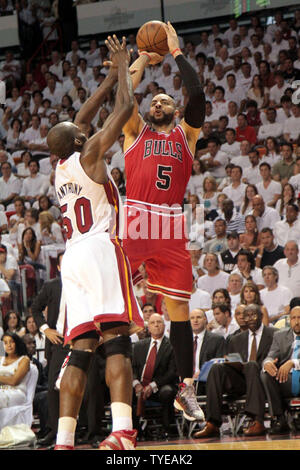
pixel 81 359
pixel 118 345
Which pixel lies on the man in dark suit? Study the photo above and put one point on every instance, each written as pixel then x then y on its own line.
pixel 281 371
pixel 55 352
pixel 157 383
pixel 238 379
pixel 207 345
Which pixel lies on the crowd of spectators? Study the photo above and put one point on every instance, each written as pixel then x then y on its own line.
pixel 243 197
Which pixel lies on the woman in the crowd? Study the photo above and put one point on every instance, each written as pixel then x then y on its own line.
pixel 118 178
pixel 31 328
pixel 14 367
pixel 250 192
pixel 272 154
pixel 257 92
pixel 287 197
pixel 23 166
pixel 195 184
pixel 12 323
pixel 45 204
pixel 210 194
pixel 50 230
pixel 14 135
pixel 250 295
pixel 66 103
pixel 30 249
pixel 250 238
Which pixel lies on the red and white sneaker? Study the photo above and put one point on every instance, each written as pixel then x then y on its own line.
pixel 120 440
pixel 61 447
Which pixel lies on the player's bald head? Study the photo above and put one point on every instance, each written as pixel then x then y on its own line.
pixel 61 139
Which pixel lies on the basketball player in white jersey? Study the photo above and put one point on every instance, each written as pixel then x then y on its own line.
pixel 95 273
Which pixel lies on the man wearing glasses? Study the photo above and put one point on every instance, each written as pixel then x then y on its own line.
pixel 239 379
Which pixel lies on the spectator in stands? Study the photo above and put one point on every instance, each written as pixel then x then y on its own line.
pixel 159 385
pixel 250 294
pixel 225 324
pixel 284 168
pixel 289 268
pixel 291 126
pixel 250 238
pixel 250 192
pixel 246 268
pixel 229 256
pixel 23 167
pixel 50 230
pixel 39 338
pixel 118 178
pixel 251 174
pixel 231 147
pixel 13 371
pixel 209 197
pixel 207 345
pixel 234 287
pixel 207 132
pixel 234 221
pixel 271 128
pixel 277 91
pixel 265 216
pixel 272 154
pixel 276 298
pixel 288 228
pixel 244 131
pixel 243 159
pixel 33 185
pixel 268 189
pixel 253 346
pixel 12 323
pixel 10 186
pixel 278 372
pixel 30 220
pixel 219 243
pixel 287 197
pixel 30 248
pixel 269 251
pixel 258 92
pixel 215 277
pixel 53 92
pixel 236 190
pixel 253 115
pixel 45 204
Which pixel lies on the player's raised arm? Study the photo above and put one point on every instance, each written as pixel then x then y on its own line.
pixel 95 148
pixel 194 114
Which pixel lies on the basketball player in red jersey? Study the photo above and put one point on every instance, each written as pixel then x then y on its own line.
pixel 95 273
pixel 158 163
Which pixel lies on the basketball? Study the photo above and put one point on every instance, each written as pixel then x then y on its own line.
pixel 152 37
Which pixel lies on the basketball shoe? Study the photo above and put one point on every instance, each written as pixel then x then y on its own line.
pixel 186 401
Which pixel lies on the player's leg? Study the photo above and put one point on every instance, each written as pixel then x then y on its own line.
pixel 118 376
pixel 181 338
pixel 72 388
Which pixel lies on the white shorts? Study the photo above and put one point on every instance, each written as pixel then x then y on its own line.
pixel 97 286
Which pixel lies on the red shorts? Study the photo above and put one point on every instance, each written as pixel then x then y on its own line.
pixel 168 263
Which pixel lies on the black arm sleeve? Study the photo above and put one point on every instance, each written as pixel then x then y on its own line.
pixel 195 109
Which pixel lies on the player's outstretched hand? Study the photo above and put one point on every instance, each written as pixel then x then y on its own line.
pixel 118 51
pixel 154 57
pixel 173 41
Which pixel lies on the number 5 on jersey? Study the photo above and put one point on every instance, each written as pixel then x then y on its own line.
pixel 163 177
pixel 83 217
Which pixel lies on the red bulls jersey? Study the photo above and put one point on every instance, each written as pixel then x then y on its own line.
pixel 158 167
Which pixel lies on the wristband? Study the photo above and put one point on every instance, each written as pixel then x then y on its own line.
pixel 175 50
pixel 145 53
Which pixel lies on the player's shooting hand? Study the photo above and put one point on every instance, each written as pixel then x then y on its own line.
pixel 153 56
pixel 173 41
pixel 118 51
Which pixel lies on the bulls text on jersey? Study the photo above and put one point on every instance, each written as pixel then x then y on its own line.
pixel 162 148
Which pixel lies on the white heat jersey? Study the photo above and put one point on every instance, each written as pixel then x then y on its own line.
pixel 87 207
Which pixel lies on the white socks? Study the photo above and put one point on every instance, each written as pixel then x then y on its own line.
pixel 121 416
pixel 66 431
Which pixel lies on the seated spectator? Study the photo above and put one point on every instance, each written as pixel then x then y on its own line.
pixel 38 146
pixel 244 131
pixel 39 337
pixel 277 91
pixel 45 204
pixel 289 268
pixel 250 192
pixel 251 174
pixel 292 125
pixel 118 178
pixel 231 147
pixel 247 269
pixel 14 367
pixel 268 251
pixel 234 221
pixel 9 271
pixel 276 298
pixel 272 154
pixel 236 190
pixel 287 197
pixel 219 243
pixel 14 135
pixel 31 218
pixel 253 346
pixel 288 228
pixel 215 277
pixel 295 180
pixel 207 345
pixel 278 372
pixel 215 160
pixel 234 287
pixel 271 128
pixel 229 256
pixel 250 294
pixel 243 159
pixel 258 92
pixel 284 168
pixel 50 230
pixel 195 184
pixel 34 185
pixel 199 297
pixel 23 167
pixel 12 323
pixel 265 216
pixel 253 115
pixel 209 196
pixel 10 186
pixel 225 323
pixel 156 382
pixel 227 180
pixel 30 248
